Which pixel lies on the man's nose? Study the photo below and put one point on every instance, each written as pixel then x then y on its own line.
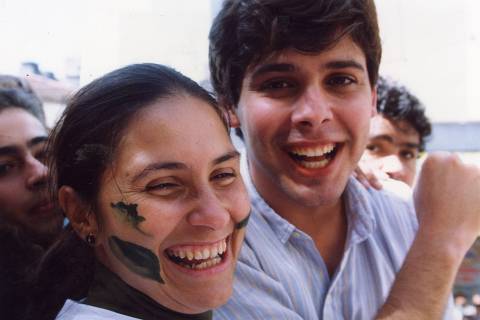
pixel 312 108
pixel 392 166
pixel 36 173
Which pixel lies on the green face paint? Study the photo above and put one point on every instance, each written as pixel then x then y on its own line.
pixel 129 213
pixel 243 223
pixel 137 259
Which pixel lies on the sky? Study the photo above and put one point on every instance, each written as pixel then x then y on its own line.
pixel 432 46
pixel 46 31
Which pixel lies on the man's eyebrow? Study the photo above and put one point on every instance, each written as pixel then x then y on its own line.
pixel 158 166
pixel 343 64
pixel 226 157
pixel 390 139
pixel 385 137
pixel 9 150
pixel 411 145
pixel 272 67
pixel 36 141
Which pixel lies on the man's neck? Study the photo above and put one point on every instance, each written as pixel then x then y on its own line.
pixel 326 224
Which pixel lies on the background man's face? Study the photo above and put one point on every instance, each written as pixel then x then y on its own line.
pixel 393 148
pixel 23 198
pixel 305 120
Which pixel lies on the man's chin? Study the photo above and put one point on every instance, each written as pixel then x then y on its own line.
pixel 45 233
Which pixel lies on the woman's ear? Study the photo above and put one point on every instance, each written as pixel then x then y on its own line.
pixel 80 215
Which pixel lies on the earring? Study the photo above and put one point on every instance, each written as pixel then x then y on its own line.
pixel 90 238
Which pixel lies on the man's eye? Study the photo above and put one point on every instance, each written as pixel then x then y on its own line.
pixel 372 148
pixel 6 168
pixel 276 85
pixel 41 156
pixel 408 155
pixel 340 81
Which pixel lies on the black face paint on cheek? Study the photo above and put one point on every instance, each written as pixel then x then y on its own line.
pixel 137 259
pixel 129 213
pixel 244 222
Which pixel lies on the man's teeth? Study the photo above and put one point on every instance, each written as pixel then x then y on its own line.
pixel 314 152
pixel 315 164
pixel 211 253
pixel 313 157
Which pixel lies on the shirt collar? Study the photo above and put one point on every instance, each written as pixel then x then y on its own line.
pixel 359 211
pixel 361 221
pixel 281 227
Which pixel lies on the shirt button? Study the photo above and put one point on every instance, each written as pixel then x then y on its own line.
pixel 296 234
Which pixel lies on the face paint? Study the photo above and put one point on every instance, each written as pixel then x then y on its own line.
pixel 137 259
pixel 129 213
pixel 244 222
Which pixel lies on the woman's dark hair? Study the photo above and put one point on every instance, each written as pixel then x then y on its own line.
pixel 81 147
pixel 246 31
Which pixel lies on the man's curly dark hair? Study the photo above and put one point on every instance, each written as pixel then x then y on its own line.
pixel 396 103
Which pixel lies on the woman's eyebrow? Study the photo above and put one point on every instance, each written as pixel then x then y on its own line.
pixel 179 165
pixel 229 155
pixel 158 166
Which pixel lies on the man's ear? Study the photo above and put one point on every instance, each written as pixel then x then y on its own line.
pixel 80 215
pixel 232 118
pixel 374 102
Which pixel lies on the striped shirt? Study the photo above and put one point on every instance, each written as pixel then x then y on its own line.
pixel 281 274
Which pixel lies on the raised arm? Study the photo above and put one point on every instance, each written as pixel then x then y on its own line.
pixel 447 201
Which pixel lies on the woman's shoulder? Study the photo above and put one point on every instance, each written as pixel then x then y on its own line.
pixel 73 310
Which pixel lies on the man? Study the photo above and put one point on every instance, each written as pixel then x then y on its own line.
pixel 23 195
pixel 397 134
pixel 28 221
pixel 298 78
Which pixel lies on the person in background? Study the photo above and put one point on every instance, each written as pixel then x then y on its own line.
pixel 35 104
pixel 29 222
pixel 298 78
pixel 397 134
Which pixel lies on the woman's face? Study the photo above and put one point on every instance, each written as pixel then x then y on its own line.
pixel 173 207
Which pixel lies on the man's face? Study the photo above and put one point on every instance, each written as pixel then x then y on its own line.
pixel 393 148
pixel 23 198
pixel 305 120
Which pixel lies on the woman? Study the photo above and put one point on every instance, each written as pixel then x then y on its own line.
pixel 145 171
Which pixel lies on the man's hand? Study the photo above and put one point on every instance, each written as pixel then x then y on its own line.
pixel 447 201
pixel 369 176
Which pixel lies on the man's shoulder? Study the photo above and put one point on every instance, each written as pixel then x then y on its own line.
pixel 394 197
pixel 387 208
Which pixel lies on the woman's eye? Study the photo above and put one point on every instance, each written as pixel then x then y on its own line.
pixel 163 189
pixel 224 178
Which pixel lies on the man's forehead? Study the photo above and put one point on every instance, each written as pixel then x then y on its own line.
pixel 343 50
pixel 397 130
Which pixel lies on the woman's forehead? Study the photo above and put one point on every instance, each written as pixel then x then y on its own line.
pixel 182 130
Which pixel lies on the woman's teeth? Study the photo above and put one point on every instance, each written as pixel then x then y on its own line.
pixel 198 257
